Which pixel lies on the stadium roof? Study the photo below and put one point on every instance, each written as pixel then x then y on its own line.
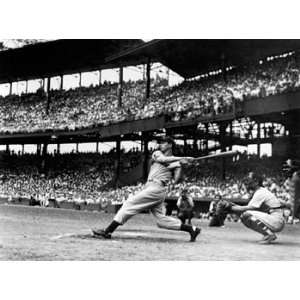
pixel 190 58
pixel 59 57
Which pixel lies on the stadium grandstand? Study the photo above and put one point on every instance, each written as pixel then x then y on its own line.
pixel 234 94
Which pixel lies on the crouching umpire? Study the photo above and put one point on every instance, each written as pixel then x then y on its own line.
pixel 263 213
pixel 218 212
pixel 185 206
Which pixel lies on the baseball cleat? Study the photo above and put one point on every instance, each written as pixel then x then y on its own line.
pixel 267 239
pixel 194 234
pixel 101 233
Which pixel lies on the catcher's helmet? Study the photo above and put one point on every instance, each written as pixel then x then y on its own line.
pixel 253 181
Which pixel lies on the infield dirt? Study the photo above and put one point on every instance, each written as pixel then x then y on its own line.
pixel 34 233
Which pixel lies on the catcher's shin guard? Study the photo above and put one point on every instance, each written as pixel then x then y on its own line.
pixel 253 223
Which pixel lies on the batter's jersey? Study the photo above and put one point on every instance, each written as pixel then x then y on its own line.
pixel 159 171
pixel 264 200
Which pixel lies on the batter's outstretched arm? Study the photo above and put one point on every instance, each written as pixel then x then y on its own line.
pixel 240 209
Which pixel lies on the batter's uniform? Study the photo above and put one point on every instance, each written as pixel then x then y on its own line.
pixel 268 213
pixel 151 197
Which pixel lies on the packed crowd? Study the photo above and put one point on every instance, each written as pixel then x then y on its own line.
pixel 69 177
pixel 215 95
pixel 85 177
pixel 86 107
pixel 78 108
pixel 207 182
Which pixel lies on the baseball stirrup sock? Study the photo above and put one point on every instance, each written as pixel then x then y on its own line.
pixel 187 228
pixel 112 227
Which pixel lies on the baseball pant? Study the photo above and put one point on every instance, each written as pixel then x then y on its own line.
pixel 274 221
pixel 150 198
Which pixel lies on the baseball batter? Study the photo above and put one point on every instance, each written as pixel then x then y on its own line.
pixel 264 212
pixel 164 167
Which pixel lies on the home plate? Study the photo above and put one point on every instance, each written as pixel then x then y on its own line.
pixel 77 235
pixel 73 234
pixel 60 236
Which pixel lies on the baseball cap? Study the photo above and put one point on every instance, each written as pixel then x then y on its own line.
pixel 166 139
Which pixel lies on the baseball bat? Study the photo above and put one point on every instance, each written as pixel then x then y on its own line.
pixel 222 154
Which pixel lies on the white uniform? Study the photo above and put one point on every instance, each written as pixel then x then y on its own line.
pixel 269 209
pixel 151 197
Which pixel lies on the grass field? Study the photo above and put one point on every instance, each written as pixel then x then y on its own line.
pixel 34 233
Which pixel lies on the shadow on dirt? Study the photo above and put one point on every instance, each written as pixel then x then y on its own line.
pixel 127 237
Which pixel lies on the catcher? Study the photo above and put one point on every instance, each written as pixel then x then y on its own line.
pixel 185 206
pixel 263 213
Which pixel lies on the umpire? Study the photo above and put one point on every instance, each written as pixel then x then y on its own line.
pixel 292 171
pixel 185 206
pixel 217 216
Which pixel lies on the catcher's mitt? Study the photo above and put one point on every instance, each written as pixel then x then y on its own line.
pixel 223 207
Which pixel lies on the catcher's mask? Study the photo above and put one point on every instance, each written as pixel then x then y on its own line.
pixel 253 181
pixel 184 191
pixel 218 197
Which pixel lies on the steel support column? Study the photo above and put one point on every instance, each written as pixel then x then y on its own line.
pixel 80 79
pixel 118 159
pixel 258 139
pixel 222 128
pixel 48 94
pixel 38 149
pixel 120 87
pixel 231 135
pixel 61 82
pixel 148 78
pixel 205 144
pixel 100 77
pixel 146 155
